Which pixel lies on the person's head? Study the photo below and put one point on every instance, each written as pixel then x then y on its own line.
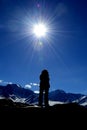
pixel 45 71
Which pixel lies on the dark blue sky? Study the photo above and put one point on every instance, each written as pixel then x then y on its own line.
pixel 63 51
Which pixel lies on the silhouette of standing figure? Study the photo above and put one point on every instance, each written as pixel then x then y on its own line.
pixel 44 88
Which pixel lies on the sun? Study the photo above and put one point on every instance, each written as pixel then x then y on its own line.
pixel 40 30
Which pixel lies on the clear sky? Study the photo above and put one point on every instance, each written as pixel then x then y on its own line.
pixel 63 51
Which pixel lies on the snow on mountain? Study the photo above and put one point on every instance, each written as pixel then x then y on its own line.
pixel 17 93
pixel 51 103
pixel 82 101
pixel 60 96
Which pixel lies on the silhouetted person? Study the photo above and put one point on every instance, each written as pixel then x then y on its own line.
pixel 44 88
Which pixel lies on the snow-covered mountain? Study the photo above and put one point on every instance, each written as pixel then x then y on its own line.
pixel 60 96
pixel 19 94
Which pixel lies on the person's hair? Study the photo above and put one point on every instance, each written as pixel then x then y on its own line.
pixel 45 71
pixel 44 74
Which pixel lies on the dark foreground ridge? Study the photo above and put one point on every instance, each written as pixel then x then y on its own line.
pixel 7 105
pixel 21 113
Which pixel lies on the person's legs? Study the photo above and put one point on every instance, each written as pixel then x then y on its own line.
pixel 46 98
pixel 41 97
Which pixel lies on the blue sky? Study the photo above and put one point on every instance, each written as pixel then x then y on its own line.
pixel 63 51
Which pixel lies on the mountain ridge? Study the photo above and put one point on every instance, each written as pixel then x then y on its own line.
pixel 17 93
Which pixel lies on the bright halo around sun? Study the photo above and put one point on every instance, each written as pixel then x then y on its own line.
pixel 40 30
